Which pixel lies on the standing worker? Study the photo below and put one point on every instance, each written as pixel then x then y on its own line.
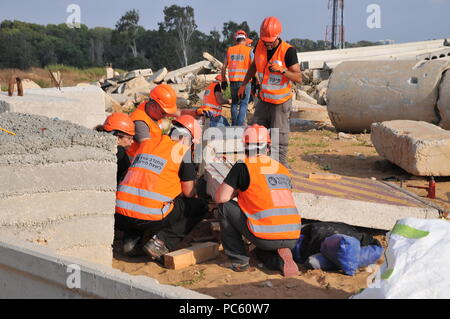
pixel 212 104
pixel 238 60
pixel 162 103
pixel 265 212
pixel 276 65
pixel 121 126
pixel 154 202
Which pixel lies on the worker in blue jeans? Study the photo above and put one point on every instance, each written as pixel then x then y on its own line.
pixel 239 106
pixel 237 61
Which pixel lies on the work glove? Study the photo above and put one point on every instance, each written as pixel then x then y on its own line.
pixel 224 85
pixel 241 92
pixel 203 111
pixel 276 68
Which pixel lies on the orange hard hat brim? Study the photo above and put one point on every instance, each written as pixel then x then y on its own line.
pixel 268 39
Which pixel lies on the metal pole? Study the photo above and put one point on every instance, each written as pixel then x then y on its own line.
pixel 333 27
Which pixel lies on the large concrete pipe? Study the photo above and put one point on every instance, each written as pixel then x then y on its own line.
pixel 444 101
pixel 364 92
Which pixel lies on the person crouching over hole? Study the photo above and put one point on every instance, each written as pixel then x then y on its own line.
pixel 265 211
pixel 155 204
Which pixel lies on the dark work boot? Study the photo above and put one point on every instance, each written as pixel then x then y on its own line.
pixel 155 248
pixel 129 243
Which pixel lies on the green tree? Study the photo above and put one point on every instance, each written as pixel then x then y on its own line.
pixel 230 28
pixel 128 26
pixel 181 21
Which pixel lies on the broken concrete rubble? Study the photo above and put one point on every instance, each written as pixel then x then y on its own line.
pixel 158 76
pixel 308 111
pixel 419 148
pixel 304 97
pixel 196 68
pixel 187 82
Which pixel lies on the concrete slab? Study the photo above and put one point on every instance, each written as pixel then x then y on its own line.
pixel 86 175
pixel 419 148
pixel 355 212
pixel 354 201
pixel 81 105
pixel 32 271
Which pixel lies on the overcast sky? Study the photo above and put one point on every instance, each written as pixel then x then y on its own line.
pixel 401 20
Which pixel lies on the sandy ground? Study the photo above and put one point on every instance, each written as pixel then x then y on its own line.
pixel 213 278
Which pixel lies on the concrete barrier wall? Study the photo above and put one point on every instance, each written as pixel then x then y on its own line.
pixel 58 185
pixel 32 271
pixel 365 92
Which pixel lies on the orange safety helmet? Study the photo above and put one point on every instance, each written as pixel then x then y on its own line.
pixel 240 34
pixel 119 122
pixel 270 29
pixel 192 125
pixel 248 41
pixel 256 134
pixel 166 97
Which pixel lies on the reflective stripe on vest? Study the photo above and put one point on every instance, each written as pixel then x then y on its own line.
pixel 275 228
pixel 268 202
pixel 238 62
pixel 272 212
pixel 152 183
pixel 209 100
pixel 143 193
pixel 275 87
pixel 157 212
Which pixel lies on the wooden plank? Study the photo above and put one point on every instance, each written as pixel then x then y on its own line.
pixel 190 256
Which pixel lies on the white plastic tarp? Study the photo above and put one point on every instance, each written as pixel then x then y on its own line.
pixel 417 262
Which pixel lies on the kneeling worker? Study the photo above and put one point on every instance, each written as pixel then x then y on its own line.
pixel 154 203
pixel 213 100
pixel 265 212
pixel 146 117
pixel 121 126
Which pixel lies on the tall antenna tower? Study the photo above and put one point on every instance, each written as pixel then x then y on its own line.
pixel 335 32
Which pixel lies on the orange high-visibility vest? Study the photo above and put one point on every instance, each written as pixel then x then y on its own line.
pixel 268 202
pixel 151 184
pixel 238 57
pixel 209 100
pixel 155 131
pixel 275 87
